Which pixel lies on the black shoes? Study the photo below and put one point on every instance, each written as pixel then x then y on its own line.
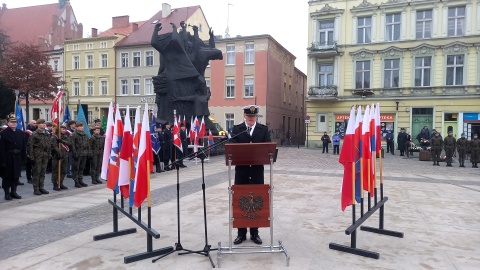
pixel 69 176
pixel 256 239
pixel 56 187
pixel 43 191
pixel 37 192
pixel 99 181
pixel 9 198
pixel 239 239
pixel 77 185
pixel 82 183
pixel 63 186
pixel 14 195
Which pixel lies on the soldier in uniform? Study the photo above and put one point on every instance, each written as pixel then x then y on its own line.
pixel 474 150
pixel 158 157
pixel 402 141
pixel 61 155
pixel 167 151
pixel 70 130
pixel 437 146
pixel 12 153
pixel 40 151
pixel 249 132
pixel 97 124
pixel 31 127
pixel 449 144
pixel 462 144
pixel 81 151
pixel 97 143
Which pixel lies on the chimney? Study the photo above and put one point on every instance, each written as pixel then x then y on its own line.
pixel 134 26
pixel 94 32
pixel 166 10
pixel 120 21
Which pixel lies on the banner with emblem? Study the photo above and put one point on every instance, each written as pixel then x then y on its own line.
pixel 251 206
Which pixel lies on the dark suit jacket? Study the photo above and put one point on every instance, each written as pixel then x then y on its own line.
pixel 250 174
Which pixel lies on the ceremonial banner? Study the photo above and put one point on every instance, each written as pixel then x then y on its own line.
pixel 251 206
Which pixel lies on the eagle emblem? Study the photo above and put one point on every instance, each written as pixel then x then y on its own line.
pixel 252 109
pixel 251 205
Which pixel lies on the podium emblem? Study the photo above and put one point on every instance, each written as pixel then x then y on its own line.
pixel 251 205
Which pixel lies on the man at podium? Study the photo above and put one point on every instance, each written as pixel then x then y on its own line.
pixel 249 132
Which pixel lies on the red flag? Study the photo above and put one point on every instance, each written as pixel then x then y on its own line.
pixel 192 130
pixel 142 177
pixel 347 158
pixel 108 142
pixel 114 164
pixel 202 132
pixel 57 108
pixel 126 157
pixel 366 149
pixel 176 135
pixel 378 132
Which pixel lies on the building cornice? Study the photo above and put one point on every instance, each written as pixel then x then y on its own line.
pixel 326 10
pixel 394 3
pixel 456 47
pixel 392 51
pixel 362 54
pixel 92 39
pixel 424 49
pixel 365 5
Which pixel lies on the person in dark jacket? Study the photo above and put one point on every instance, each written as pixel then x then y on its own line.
pixel 325 141
pixel 31 127
pixel 474 147
pixel 390 142
pixel 62 156
pixel 437 146
pixel 249 131
pixel 402 141
pixel 158 156
pixel 40 151
pixel 97 143
pixel 462 145
pixel 450 144
pixel 81 152
pixel 424 134
pixel 184 140
pixel 12 155
pixel 168 150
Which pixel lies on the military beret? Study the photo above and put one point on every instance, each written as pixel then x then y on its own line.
pixel 251 109
pixel 167 123
pixel 463 133
pixel 71 122
pixel 97 121
pixel 79 124
pixel 40 121
pixel 159 125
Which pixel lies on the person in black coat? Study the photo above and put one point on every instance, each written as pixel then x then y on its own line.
pixel 402 141
pixel 168 150
pixel 158 157
pixel 184 140
pixel 12 154
pixel 390 142
pixel 249 132
pixel 325 140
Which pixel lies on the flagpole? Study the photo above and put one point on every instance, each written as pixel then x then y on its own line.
pixel 368 184
pixel 375 175
pixel 381 177
pixel 361 187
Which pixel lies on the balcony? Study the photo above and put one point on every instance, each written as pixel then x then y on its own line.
pixel 323 49
pixel 416 92
pixel 323 92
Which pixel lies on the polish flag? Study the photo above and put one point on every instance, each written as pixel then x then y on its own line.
pixel 366 150
pixel 358 152
pixel 134 164
pixel 184 121
pixel 373 147
pixel 142 176
pixel 176 135
pixel 57 108
pixel 210 140
pixel 114 163
pixel 347 158
pixel 108 142
pixel 126 157
pixel 202 130
pixel 192 130
pixel 378 131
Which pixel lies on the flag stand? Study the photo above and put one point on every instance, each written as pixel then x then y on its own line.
pixel 151 233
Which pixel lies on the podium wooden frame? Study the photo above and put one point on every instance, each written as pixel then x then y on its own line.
pixel 241 154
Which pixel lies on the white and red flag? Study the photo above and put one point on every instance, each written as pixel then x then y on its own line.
pixel 176 134
pixel 202 132
pixel 57 108
pixel 134 164
pixel 126 157
pixel 114 161
pixel 347 158
pixel 108 142
pixel 142 176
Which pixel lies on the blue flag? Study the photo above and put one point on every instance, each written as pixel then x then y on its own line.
pixel 81 118
pixel 66 115
pixel 154 135
pixel 19 116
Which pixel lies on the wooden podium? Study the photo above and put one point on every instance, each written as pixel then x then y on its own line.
pixel 250 205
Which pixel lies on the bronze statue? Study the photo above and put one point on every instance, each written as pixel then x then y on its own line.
pixel 180 82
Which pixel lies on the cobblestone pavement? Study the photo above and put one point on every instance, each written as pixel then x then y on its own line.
pixel 38 223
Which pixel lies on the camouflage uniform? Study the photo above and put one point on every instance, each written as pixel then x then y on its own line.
pixel 437 146
pixel 39 151
pixel 449 144
pixel 97 142
pixel 462 144
pixel 474 147
pixel 62 156
pixel 81 151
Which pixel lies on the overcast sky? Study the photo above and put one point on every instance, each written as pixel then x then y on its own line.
pixel 286 21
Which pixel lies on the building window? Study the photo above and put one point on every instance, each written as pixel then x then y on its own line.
pixel 149 58
pixel 124 59
pixel 124 84
pixel 456 21
pixel 230 88
pixel 362 75
pixel 89 88
pixel 76 88
pixel 207 82
pixel 229 121
pixel 76 62
pixel 76 47
pixel 136 59
pixel 248 87
pixel 90 117
pixel 424 24
pixel 47 115
pixel 231 54
pixel 325 74
pixel 392 73
pixel 103 44
pixel 393 27
pixel 148 87
pixel 423 67
pixel 104 57
pixel 364 33
pixel 249 53
pixel 455 69
pixel 326 32
pixel 136 86
pixel 89 61
pixel 104 87
pixel 55 65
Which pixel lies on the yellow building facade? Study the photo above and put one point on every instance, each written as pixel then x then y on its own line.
pixel 419 59
pixel 89 74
